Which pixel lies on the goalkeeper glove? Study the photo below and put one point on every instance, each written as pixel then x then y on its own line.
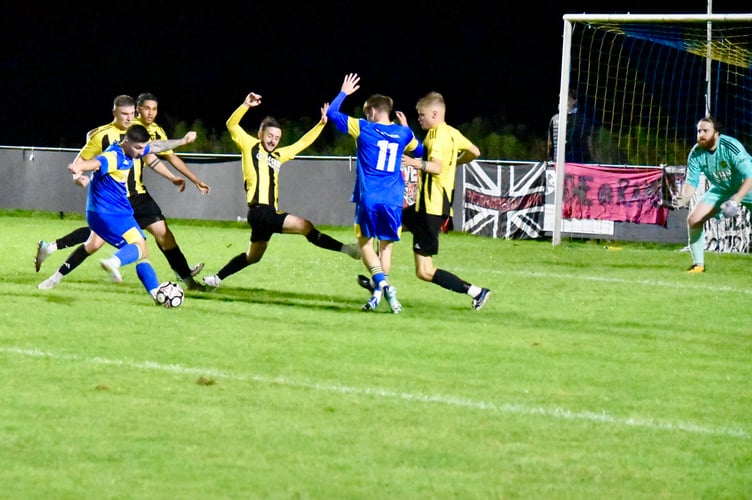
pixel 680 201
pixel 730 208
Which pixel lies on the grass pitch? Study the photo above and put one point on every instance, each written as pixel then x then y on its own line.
pixel 596 370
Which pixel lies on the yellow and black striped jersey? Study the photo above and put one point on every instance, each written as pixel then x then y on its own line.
pixel 136 177
pixel 260 167
pixel 99 139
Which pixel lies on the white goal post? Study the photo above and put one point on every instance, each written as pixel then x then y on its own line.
pixel 647 78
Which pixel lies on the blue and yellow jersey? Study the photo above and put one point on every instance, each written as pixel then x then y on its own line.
pixel 261 168
pixel 107 190
pixel 726 168
pixel 443 143
pixel 99 139
pixel 379 150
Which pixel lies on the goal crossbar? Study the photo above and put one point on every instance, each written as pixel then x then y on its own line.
pixel 667 18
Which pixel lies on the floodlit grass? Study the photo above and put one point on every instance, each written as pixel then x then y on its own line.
pixel 597 370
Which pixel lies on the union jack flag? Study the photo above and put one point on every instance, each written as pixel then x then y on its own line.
pixel 504 200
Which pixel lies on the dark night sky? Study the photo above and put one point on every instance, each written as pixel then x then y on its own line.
pixel 61 67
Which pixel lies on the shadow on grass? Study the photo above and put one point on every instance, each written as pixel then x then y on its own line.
pixel 350 300
pixel 65 293
pixel 280 298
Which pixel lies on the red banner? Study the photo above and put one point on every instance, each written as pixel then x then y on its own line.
pixel 619 194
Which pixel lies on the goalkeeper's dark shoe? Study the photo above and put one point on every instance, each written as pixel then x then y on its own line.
pixel 696 268
pixel 365 282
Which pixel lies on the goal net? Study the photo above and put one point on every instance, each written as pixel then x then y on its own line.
pixel 645 80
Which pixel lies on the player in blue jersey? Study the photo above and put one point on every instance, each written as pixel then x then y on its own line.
pixel 148 213
pixel 109 213
pixel 97 140
pixel 379 185
pixel 728 167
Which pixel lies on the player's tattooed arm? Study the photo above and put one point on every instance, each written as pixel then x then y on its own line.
pixel 167 144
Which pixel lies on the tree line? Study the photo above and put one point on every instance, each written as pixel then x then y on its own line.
pixel 497 141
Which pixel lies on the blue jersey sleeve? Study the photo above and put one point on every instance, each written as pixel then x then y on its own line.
pixel 339 119
pixel 104 163
pixel 419 150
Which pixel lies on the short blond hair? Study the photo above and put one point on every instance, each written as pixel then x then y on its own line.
pixel 431 100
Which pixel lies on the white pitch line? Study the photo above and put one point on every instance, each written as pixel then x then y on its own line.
pixel 516 409
pixel 607 279
pixel 648 283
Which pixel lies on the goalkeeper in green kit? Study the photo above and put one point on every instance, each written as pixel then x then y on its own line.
pixel 728 167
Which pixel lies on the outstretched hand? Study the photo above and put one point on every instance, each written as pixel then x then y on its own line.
pixel 351 83
pixel 189 137
pixel 252 99
pixel 324 109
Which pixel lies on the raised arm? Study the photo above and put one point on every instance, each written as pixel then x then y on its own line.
pixel 166 144
pixel 324 109
pixel 351 83
pixel 233 122
pixel 252 100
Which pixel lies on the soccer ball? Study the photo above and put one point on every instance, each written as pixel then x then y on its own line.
pixel 170 294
